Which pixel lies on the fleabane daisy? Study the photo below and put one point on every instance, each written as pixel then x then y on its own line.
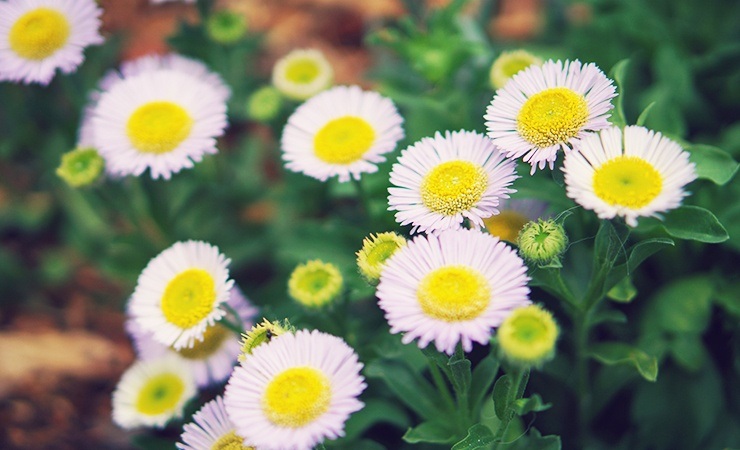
pixel 452 287
pixel 160 113
pixel 211 429
pixel 441 181
pixel 37 37
pixel 632 173
pixel 210 359
pixel 341 132
pixel 302 73
pixel 179 293
pixel 543 109
pixel 295 391
pixel 151 393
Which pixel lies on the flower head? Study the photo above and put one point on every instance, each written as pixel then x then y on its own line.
pixel 264 104
pixel 341 132
pixel 180 292
pixel 542 242
pixel 263 333
pixel 152 392
pixel 37 37
pixel 295 391
pixel 315 284
pixel 80 167
pixel 226 27
pixel 211 429
pixel 375 251
pixel 439 182
pixel 514 214
pixel 631 173
pixel 452 288
pixel 301 74
pixel 509 64
pixel 547 108
pixel 160 113
pixel 527 337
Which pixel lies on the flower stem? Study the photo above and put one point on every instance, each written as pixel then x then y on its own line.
pixel 439 382
pixel 519 377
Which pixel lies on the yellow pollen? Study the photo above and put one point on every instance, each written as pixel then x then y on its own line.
pixel 213 337
pixel 507 225
pixel 38 34
pixel 552 116
pixel 189 298
pixel 296 397
pixel 453 293
pixel 230 441
pixel 344 140
pixel 302 71
pixel 453 187
pixel 160 394
pixel 158 127
pixel 627 181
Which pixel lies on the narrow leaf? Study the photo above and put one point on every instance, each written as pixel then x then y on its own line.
pixel 644 114
pixel 617 74
pixel 459 367
pixel 534 403
pixel 434 432
pixel 620 353
pixel 501 396
pixel 412 389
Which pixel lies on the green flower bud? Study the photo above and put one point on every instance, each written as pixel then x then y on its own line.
pixel 226 27
pixel 264 104
pixel 509 64
pixel 527 337
pixel 315 284
pixel 81 167
pixel 375 251
pixel 542 242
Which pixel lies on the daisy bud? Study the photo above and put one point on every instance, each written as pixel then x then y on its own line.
pixel 542 242
pixel 527 337
pixel 81 167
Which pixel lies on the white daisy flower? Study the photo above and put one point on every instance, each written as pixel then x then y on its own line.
pixel 546 108
pixel 211 359
pixel 163 114
pixel 180 292
pixel 514 214
pixel 37 37
pixel 302 73
pixel 639 175
pixel 452 287
pixel 444 180
pixel 295 391
pixel 152 392
pixel 211 429
pixel 341 132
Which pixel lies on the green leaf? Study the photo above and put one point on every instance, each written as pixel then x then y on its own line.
pixel 460 373
pixel 608 315
pixel 534 403
pixel 534 441
pixel 412 389
pixel 712 163
pixel 501 395
pixel 688 350
pixel 685 305
pixel 694 223
pixel 620 353
pixel 644 114
pixel 624 291
pixel 617 74
pixel 434 432
pixel 375 411
pixel 479 437
pixel 483 376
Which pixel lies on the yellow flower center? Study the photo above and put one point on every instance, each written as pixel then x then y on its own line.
pixel 302 71
pixel 453 187
pixel 160 394
pixel 213 337
pixel 552 116
pixel 230 441
pixel 627 181
pixel 189 298
pixel 453 293
pixel 344 140
pixel 39 33
pixel 158 127
pixel 296 397
pixel 507 225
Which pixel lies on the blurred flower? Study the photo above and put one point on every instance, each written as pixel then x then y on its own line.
pixel 452 288
pixel 375 251
pixel 547 108
pixel 161 113
pixel 211 358
pixel 527 337
pixel 165 1
pixel 509 64
pixel 315 283
pixel 211 429
pixel 441 181
pixel 301 74
pixel 150 393
pixel 295 391
pixel 226 27
pixel 39 36
pixel 262 333
pixel 80 167
pixel 632 173
pixel 341 132
pixel 180 292
pixel 514 214
pixel 264 104
pixel 542 242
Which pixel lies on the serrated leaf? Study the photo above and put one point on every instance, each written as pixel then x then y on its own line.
pixel 479 437
pixel 712 163
pixel 623 292
pixel 501 395
pixel 433 432
pixel 534 403
pixel 620 353
pixel 694 223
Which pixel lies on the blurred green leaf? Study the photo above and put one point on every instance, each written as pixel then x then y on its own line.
pixel 644 114
pixel 533 441
pixel 688 350
pixel 620 353
pixel 617 74
pixel 460 373
pixel 434 432
pixel 684 306
pixel 712 163
pixel 375 411
pixel 501 395
pixel 534 403
pixel 624 291
pixel 694 223
pixel 410 388
pixel 479 437
pixel 483 377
